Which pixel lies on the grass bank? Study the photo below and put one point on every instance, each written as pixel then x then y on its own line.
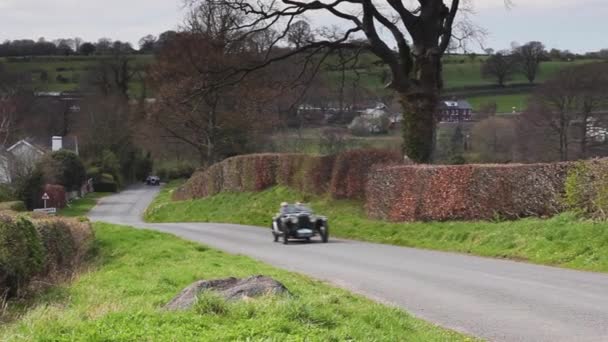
pixel 82 206
pixel 136 272
pixel 564 241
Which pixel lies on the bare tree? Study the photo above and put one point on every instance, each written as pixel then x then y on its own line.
pixel 500 66
pixel 573 99
pixel 13 90
pixel 422 31
pixel 218 122
pixel 494 140
pixel 530 56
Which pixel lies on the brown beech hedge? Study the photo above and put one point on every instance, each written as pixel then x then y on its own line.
pixel 397 192
pixel 343 175
pixel 467 192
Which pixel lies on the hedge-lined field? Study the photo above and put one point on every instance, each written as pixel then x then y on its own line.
pixel 139 271
pixel 39 249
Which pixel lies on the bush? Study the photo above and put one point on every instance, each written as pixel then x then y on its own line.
pixel 175 171
pixel 107 178
pixel 48 248
pixel 6 193
pixel 64 168
pixel 586 188
pixel 57 196
pixel 13 206
pixel 21 253
pixel 28 188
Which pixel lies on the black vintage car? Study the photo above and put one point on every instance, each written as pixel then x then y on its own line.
pixel 297 221
pixel 153 180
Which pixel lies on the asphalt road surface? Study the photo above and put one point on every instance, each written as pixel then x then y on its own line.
pixel 494 299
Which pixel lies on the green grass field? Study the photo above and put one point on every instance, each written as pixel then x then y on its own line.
pixel 504 103
pixel 82 206
pixel 136 272
pixel 563 241
pixel 72 68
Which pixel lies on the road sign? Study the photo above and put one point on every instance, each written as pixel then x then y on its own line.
pixel 45 198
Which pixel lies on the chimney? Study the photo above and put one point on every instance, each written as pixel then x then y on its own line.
pixel 57 144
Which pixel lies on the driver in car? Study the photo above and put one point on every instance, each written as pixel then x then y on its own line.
pixel 284 208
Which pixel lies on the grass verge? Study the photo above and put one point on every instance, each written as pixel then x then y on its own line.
pixel 564 241
pixel 81 207
pixel 138 271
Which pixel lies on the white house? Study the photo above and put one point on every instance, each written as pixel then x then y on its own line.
pixel 23 156
pixel 26 154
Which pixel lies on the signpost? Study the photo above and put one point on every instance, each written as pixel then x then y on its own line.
pixel 45 198
pixel 48 211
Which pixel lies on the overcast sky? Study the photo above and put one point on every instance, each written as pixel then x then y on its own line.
pixel 577 25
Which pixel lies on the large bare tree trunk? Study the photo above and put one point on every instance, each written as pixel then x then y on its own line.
pixel 419 125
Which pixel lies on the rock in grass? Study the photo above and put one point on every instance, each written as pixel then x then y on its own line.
pixel 229 288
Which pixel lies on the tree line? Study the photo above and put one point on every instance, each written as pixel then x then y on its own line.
pixel 77 46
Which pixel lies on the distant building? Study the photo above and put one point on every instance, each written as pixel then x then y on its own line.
pixel 455 111
pixel 25 154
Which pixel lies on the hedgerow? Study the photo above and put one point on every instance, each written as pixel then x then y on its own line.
pixel 342 175
pixel 586 188
pixel 469 192
pixel 39 248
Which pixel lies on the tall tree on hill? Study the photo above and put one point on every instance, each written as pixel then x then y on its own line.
pixel 530 56
pixel 500 66
pixel 422 31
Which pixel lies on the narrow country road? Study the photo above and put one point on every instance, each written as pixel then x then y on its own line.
pixel 493 299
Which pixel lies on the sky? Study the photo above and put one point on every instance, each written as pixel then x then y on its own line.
pixel 576 25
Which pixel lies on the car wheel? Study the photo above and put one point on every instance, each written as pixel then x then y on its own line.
pixel 325 233
pixel 285 238
pixel 274 234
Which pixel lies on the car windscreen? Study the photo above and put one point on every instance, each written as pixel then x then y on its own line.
pixel 296 209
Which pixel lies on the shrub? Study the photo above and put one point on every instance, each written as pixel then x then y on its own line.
pixel 66 242
pixel 107 178
pixel 45 248
pixel 64 168
pixel 175 171
pixel 57 196
pixel 94 173
pixel 28 188
pixel 21 253
pixel 586 188
pixel 6 193
pixel 13 206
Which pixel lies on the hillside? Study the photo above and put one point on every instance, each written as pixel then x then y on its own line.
pixel 58 73
pixel 462 75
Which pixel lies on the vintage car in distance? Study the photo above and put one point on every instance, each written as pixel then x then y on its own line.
pixel 296 221
pixel 153 180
